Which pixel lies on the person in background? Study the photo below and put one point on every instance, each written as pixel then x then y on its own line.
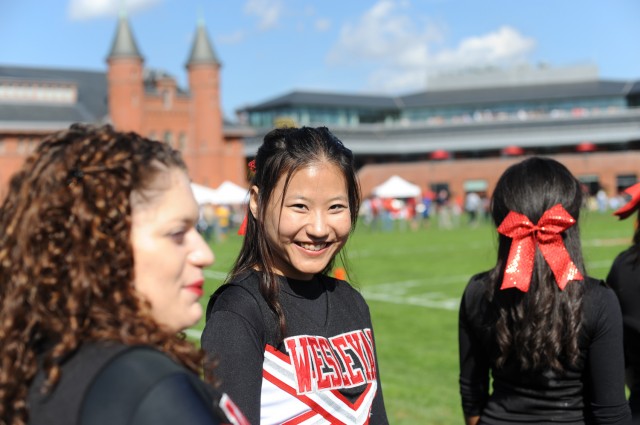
pixel 548 335
pixel 293 344
pixel 473 207
pixel 624 279
pixel 101 268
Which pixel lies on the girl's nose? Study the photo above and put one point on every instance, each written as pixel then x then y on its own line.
pixel 317 225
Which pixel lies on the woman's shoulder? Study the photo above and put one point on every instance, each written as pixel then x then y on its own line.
pixel 476 286
pixel 474 297
pixel 342 288
pixel 140 382
pixel 598 296
pixel 595 287
pixel 626 261
pixel 238 291
pixel 241 295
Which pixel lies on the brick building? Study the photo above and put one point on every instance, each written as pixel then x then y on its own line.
pixel 35 102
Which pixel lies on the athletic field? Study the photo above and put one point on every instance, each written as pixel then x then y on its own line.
pixel 413 281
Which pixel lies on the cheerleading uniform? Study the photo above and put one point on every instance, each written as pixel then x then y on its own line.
pixel 325 370
pixel 624 279
pixel 592 392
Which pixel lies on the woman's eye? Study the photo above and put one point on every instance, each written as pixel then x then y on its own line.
pixel 178 236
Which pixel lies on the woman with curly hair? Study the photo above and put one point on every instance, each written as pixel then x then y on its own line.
pixel 100 269
pixel 549 336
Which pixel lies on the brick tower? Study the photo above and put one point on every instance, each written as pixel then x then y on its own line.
pixel 125 80
pixel 203 68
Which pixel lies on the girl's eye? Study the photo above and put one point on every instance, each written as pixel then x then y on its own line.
pixel 299 206
pixel 338 207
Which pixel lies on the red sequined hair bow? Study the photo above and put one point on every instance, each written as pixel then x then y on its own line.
pixel 633 192
pixel 547 235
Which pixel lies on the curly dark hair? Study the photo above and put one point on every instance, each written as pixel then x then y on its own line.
pixel 538 328
pixel 66 259
pixel 283 152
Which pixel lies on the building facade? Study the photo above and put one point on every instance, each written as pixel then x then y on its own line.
pixel 35 102
pixel 462 133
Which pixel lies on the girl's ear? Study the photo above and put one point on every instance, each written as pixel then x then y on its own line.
pixel 253 201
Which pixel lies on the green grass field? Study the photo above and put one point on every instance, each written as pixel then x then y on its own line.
pixel 413 281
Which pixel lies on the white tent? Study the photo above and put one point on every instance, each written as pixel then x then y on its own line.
pixel 229 193
pixel 204 194
pixel 397 187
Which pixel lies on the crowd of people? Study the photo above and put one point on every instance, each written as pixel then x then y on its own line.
pixel 446 210
pixel 102 269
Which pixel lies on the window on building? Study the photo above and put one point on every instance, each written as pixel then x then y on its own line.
pixel 441 193
pixel 182 141
pixel 21 146
pixel 478 186
pixel 152 135
pixel 168 138
pixel 623 181
pixel 591 183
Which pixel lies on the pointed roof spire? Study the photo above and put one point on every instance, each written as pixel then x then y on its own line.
pixel 124 45
pixel 202 50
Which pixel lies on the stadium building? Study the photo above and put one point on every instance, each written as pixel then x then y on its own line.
pixel 462 132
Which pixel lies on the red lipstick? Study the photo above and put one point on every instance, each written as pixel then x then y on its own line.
pixel 196 287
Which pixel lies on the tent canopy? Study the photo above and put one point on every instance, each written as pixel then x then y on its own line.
pixel 397 187
pixel 204 194
pixel 227 193
pixel 231 194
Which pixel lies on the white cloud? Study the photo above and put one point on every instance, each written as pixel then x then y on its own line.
pixel 400 48
pixel 236 37
pixel 268 12
pixel 81 10
pixel 502 47
pixel 322 24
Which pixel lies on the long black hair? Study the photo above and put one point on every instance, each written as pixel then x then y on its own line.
pixel 283 152
pixel 538 328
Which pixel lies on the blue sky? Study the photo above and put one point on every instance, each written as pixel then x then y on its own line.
pixel 270 47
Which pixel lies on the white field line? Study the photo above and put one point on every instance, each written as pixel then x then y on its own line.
pixel 607 242
pixel 193 333
pixel 404 293
pixel 397 251
pixel 398 293
pixel 599 265
pixel 215 274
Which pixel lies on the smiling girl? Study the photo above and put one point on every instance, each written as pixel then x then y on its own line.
pixel 293 344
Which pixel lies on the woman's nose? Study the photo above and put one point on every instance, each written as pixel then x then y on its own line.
pixel 202 255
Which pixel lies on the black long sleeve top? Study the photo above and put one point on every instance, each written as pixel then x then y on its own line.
pixel 113 384
pixel 590 393
pixel 624 279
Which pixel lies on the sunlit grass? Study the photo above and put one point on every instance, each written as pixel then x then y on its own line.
pixel 413 281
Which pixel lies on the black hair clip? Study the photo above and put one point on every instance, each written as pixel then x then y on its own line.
pixel 75 175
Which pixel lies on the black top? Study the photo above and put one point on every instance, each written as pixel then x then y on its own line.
pixel 325 368
pixel 591 392
pixel 114 384
pixel 624 279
